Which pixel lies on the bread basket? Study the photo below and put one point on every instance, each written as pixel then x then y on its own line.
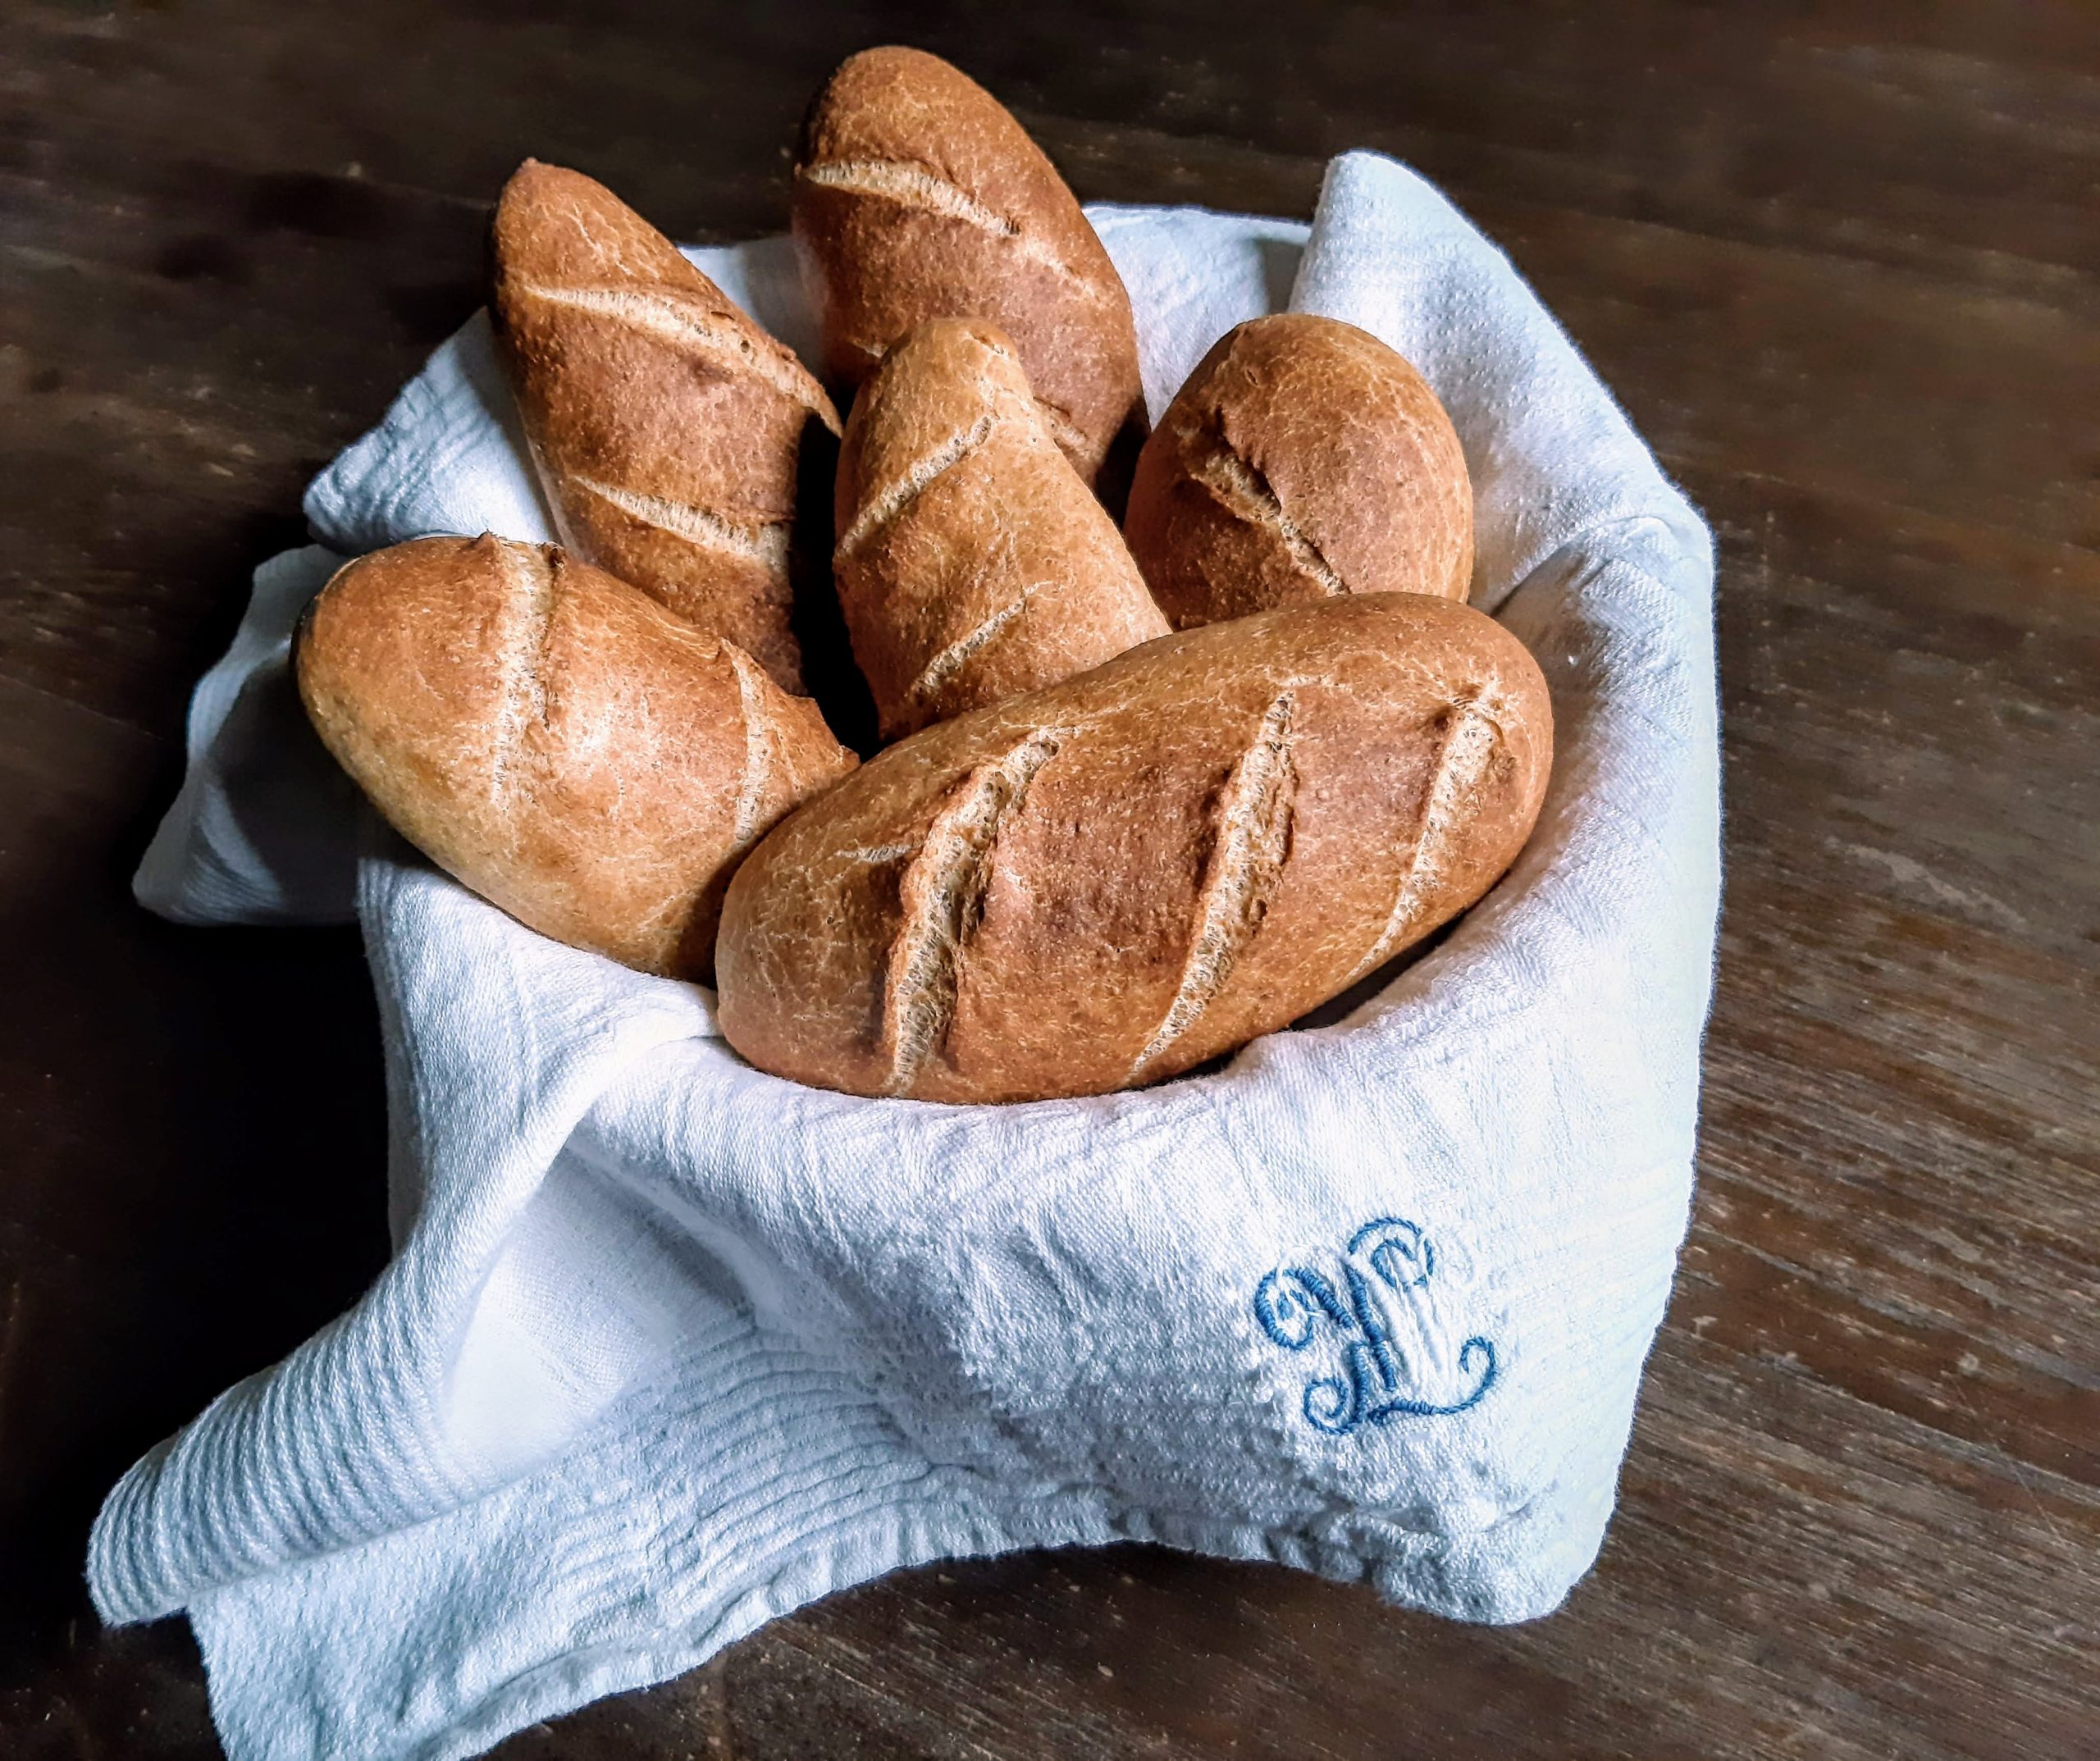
pixel 669 1346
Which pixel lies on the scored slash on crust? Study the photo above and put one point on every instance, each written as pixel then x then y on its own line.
pixel 528 620
pixel 1060 425
pixel 1065 431
pixel 874 855
pixel 951 659
pixel 892 499
pixel 696 330
pixel 758 749
pixel 1246 863
pixel 1008 407
pixel 943 897
pixel 1244 489
pixel 911 186
pixel 765 545
pixel 1471 736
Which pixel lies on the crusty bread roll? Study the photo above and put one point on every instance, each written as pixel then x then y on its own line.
pixel 972 563
pixel 1303 459
pixel 663 421
pixel 556 741
pixel 1114 879
pixel 917 197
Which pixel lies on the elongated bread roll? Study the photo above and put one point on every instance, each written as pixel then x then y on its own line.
pixel 919 197
pixel 1303 459
pixel 556 741
pixel 665 422
pixel 972 563
pixel 1113 879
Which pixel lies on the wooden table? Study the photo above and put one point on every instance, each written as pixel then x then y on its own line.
pixel 1842 269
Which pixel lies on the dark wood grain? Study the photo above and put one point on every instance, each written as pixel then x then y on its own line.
pixel 1841 263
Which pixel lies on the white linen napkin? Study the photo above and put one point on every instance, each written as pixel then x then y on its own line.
pixel 668 1346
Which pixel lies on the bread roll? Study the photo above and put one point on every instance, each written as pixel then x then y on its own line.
pixel 556 741
pixel 972 563
pixel 1113 879
pixel 665 422
pixel 1303 459
pixel 919 197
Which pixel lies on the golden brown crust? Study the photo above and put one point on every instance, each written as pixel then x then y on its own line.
pixel 1303 459
pixel 663 421
pixel 972 563
pixel 918 196
pixel 557 741
pixel 1109 881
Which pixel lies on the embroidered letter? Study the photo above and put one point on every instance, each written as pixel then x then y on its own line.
pixel 1297 1304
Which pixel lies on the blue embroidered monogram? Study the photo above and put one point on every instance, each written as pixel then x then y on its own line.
pixel 1296 1304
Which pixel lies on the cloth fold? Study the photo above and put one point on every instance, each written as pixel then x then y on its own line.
pixel 668 1346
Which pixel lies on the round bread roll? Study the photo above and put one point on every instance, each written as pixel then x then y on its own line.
pixel 665 423
pixel 972 563
pixel 554 739
pixel 1110 880
pixel 918 197
pixel 1303 460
